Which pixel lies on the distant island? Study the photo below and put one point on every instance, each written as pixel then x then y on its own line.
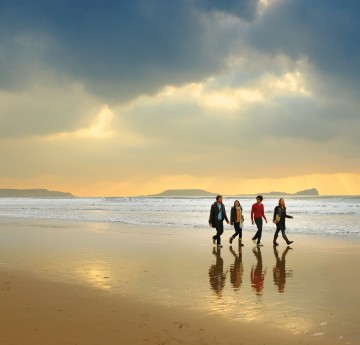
pixel 33 193
pixel 306 192
pixel 204 193
pixel 184 192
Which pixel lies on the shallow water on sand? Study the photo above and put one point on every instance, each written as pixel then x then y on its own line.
pixel 311 287
pixel 325 216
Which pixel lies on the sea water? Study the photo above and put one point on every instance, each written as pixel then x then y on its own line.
pixel 329 216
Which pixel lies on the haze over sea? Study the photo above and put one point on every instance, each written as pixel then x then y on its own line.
pixel 335 216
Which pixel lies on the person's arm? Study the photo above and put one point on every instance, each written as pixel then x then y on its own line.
pixel 232 216
pixel 211 215
pixel 288 216
pixel 225 216
pixel 263 211
pixel 274 217
pixel 252 214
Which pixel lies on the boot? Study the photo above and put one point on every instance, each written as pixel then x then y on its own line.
pixel 274 241
pixel 231 239
pixel 287 240
pixel 240 242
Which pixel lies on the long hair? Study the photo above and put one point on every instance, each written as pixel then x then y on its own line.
pixel 238 202
pixel 280 202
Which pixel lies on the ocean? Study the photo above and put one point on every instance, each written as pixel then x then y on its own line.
pixel 336 216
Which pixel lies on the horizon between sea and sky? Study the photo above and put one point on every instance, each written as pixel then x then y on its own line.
pixel 122 98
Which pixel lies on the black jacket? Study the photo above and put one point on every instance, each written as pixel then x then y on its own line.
pixel 214 210
pixel 281 213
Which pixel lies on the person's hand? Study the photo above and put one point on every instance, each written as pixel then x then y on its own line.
pixel 291 217
pixel 252 222
pixel 265 221
pixel 274 221
pixel 227 222
pixel 210 224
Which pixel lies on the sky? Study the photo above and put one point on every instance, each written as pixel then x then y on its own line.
pixel 133 97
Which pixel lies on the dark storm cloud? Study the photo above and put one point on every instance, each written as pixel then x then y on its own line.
pixel 242 9
pixel 121 49
pixel 326 32
pixel 117 48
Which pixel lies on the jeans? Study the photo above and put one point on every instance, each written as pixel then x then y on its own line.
pixel 238 230
pixel 219 224
pixel 259 224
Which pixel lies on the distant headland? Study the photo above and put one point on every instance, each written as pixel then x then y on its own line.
pixel 184 192
pixel 204 193
pixel 33 193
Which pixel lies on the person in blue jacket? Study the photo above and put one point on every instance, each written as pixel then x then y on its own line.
pixel 216 219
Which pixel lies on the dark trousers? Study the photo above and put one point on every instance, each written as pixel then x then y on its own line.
pixel 238 230
pixel 280 227
pixel 259 224
pixel 219 230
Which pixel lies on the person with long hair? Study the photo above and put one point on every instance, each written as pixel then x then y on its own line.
pixel 279 219
pixel 236 219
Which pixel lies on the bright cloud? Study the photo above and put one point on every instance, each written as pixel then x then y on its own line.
pixel 152 94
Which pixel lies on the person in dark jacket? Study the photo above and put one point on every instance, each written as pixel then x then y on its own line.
pixel 216 219
pixel 279 219
pixel 236 219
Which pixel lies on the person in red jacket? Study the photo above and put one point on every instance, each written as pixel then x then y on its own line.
pixel 257 215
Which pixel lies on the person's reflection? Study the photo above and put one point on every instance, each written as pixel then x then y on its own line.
pixel 279 271
pixel 237 269
pixel 216 273
pixel 257 275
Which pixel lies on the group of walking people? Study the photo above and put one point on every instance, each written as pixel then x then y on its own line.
pixel 218 215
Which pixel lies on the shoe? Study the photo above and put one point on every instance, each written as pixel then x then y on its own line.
pixel 259 245
pixel 254 241
pixel 214 241
pixel 240 243
pixel 289 242
pixel 219 245
pixel 275 244
pixel 231 239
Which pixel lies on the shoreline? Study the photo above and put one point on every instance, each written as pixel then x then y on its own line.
pixel 167 272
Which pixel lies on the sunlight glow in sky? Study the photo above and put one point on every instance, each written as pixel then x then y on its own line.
pixel 135 97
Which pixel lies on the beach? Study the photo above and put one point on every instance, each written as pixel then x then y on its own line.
pixel 107 283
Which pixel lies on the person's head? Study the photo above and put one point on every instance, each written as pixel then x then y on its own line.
pixel 281 202
pixel 219 199
pixel 236 203
pixel 259 199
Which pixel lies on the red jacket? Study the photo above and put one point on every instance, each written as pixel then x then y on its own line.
pixel 257 211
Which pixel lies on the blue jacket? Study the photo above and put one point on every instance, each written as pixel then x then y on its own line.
pixel 214 210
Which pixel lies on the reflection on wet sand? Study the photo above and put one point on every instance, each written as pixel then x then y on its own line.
pixel 236 269
pixel 257 275
pixel 279 271
pixel 216 273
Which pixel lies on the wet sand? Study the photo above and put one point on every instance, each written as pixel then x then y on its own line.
pixel 92 283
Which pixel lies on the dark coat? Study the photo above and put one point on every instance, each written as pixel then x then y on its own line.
pixel 282 214
pixel 214 210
